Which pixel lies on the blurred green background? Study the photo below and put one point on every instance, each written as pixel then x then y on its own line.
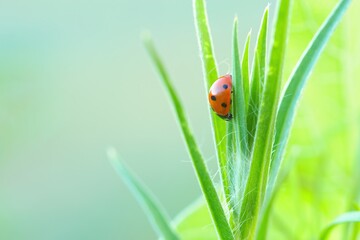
pixel 75 79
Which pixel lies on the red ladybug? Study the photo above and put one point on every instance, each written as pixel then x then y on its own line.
pixel 220 97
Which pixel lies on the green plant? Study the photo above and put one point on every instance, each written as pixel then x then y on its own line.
pixel 250 158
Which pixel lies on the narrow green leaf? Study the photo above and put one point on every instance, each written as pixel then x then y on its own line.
pixel 257 78
pixel 211 74
pixel 207 186
pixel 236 160
pixel 254 101
pixel 230 150
pixel 264 221
pixel 296 84
pixel 265 128
pixel 152 208
pixel 245 70
pixel 349 217
pixel 261 46
pixel 238 96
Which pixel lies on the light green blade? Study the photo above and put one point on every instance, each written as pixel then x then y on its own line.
pixel 231 163
pixel 236 162
pixel 157 216
pixel 211 75
pixel 257 78
pixel 265 128
pixel 349 217
pixel 245 70
pixel 261 47
pixel 238 96
pixel 203 175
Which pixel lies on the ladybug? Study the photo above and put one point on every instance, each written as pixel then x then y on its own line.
pixel 220 97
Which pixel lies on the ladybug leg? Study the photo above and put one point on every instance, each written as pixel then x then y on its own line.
pixel 223 117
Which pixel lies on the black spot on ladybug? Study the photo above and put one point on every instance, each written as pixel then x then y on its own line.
pixel 225 86
pixel 224 105
pixel 213 98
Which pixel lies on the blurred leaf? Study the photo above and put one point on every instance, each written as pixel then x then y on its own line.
pixel 204 178
pixel 297 83
pixel 355 196
pixel 349 217
pixel 195 223
pixel 154 212
pixel 323 129
pixel 356 173
pixel 265 128
pixel 292 95
pixel 211 75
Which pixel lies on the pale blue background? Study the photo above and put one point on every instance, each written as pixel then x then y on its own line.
pixel 75 79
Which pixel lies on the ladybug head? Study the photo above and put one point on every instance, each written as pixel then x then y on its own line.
pixel 227 117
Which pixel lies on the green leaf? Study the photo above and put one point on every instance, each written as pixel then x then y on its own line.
pixel 238 96
pixel 231 161
pixel 207 186
pixel 263 142
pixel 154 212
pixel 349 217
pixel 261 46
pixel 245 70
pixel 257 78
pixel 194 223
pixel 296 84
pixel 211 75
pixel 254 101
pixel 239 125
